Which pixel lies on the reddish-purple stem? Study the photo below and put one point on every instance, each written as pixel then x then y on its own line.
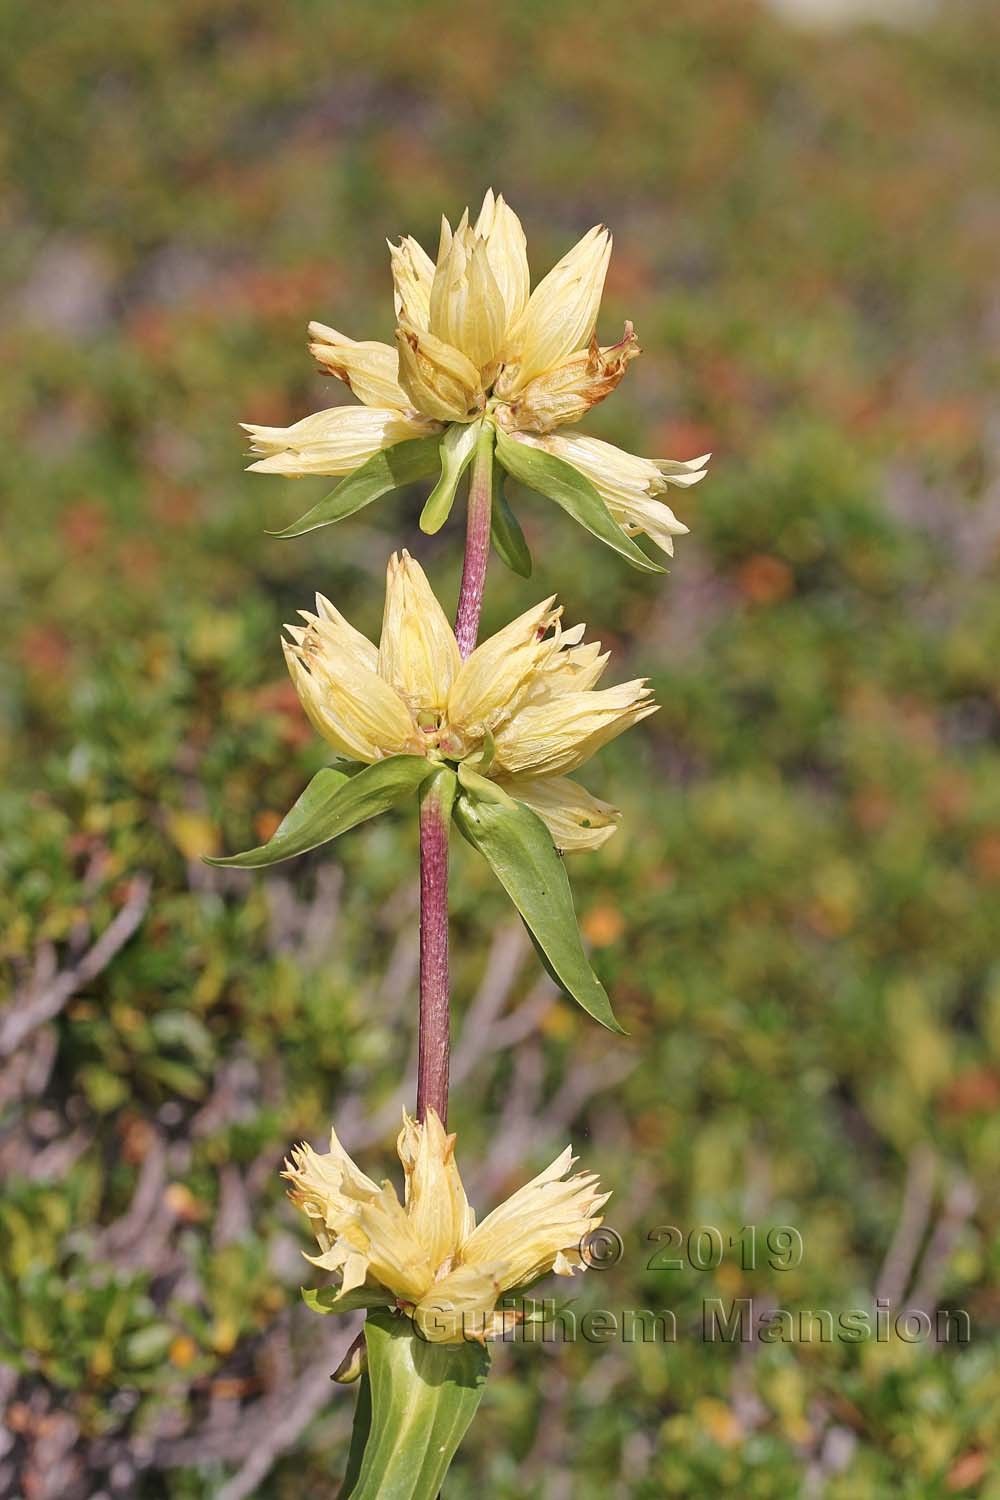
pixel 434 1047
pixel 435 1029
pixel 477 548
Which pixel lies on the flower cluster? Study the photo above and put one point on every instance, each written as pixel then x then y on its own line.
pixel 426 1256
pixel 523 709
pixel 473 343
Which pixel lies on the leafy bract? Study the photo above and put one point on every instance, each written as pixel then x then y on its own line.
pixel 519 850
pixel 456 449
pixel 331 804
pixel 403 463
pixel 417 1399
pixel 572 490
pixel 508 538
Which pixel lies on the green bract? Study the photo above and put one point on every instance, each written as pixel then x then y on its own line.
pixel 508 538
pixel 456 449
pixel 332 803
pixel 572 490
pixel 449 456
pixel 401 464
pixel 511 838
pixel 414 1406
pixel 519 850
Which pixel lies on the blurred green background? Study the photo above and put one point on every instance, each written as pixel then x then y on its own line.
pixel 798 920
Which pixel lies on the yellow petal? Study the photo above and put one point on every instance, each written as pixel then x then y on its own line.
pixel 339 635
pixel 562 310
pixel 441 382
pixel 417 652
pixel 568 666
pixel 412 276
pixel 557 736
pixel 627 483
pixel 335 1258
pixel 467 310
pixel 396 1255
pixel 435 1197
pixel 329 1189
pixel 370 370
pixel 334 441
pixel 575 669
pixel 355 1273
pixel 317 1177
pixel 494 675
pixel 567 391
pixel 358 713
pixel 460 1305
pixel 507 251
pixel 649 518
pixel 547 1216
pixel 575 818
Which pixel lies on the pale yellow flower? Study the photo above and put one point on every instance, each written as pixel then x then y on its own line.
pixel 426 1256
pixel 472 342
pixel 523 709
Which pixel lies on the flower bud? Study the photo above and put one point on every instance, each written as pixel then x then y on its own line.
pixel 418 653
pixel 466 308
pixel 507 250
pixel 440 380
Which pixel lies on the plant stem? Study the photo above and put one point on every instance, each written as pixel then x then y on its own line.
pixel 434 1047
pixel 477 544
pixel 435 1023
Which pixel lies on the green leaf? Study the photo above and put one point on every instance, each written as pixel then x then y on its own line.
pixel 322 787
pixel 324 1299
pixel 508 538
pixel 401 464
pixel 572 490
pixel 359 1435
pixel 456 450
pixel 518 848
pixel 331 804
pixel 422 1398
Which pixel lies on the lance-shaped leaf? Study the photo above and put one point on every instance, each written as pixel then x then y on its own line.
pixel 518 848
pixel 403 463
pixel 419 1401
pixel 572 490
pixel 331 804
pixel 359 1433
pixel 508 538
pixel 456 450
pixel 328 1299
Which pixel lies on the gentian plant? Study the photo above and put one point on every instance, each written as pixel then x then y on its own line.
pixel 485 375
